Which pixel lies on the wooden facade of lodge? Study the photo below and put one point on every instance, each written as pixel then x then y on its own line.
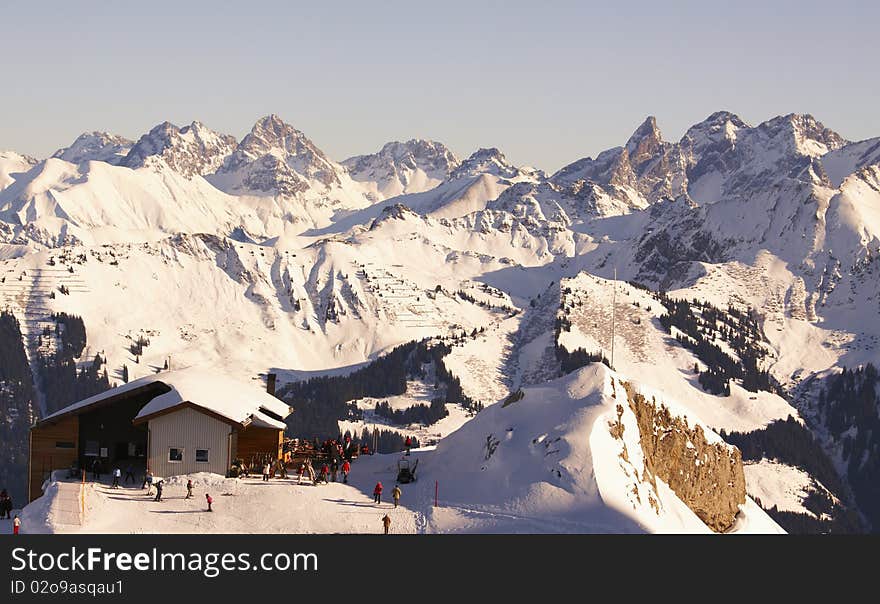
pixel 173 423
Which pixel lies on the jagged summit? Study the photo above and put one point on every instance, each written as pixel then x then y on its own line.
pixel 644 142
pixel 404 167
pixel 485 161
pixel 807 135
pixel 276 158
pixel 95 146
pixel 194 150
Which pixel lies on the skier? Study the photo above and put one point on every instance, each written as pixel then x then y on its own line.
pixel 395 494
pixel 346 468
pixel 210 501
pixel 266 470
pixel 16 525
pixel 377 493
pixel 158 490
pixel 324 470
pixel 117 474
pixel 148 482
pixel 386 521
pixel 189 489
pixel 408 444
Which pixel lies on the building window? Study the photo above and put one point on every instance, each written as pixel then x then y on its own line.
pixel 91 448
pixel 202 455
pixel 63 444
pixel 175 454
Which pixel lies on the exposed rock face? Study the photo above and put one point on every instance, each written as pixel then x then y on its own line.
pixel 708 478
pixel 192 150
pixel 395 167
pixel 277 158
pixel 485 161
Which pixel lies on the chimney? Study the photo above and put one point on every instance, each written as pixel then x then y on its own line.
pixel 270 383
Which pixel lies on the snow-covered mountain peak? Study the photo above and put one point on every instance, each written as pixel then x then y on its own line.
pixel 95 146
pixel 717 132
pixel 803 134
pixel 192 150
pixel 404 167
pixel 485 161
pixel 276 157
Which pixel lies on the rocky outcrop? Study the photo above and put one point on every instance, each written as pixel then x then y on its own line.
pixel 708 478
pixel 193 150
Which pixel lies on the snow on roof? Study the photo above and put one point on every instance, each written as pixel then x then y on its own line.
pixel 230 398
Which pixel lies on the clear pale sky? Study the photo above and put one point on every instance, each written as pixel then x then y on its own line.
pixel 546 82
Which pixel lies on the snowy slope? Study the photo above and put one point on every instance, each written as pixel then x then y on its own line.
pixel 549 463
pixel 552 464
pixel 12 165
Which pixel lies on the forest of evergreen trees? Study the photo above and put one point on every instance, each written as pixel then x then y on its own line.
pixel 790 442
pixel 16 400
pixel 702 323
pixel 416 414
pixel 61 381
pixel 849 406
pixel 388 441
pixel 320 402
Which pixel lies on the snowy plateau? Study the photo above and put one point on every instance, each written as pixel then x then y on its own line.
pixel 727 280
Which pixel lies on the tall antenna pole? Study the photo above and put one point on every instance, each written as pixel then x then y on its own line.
pixel 613 313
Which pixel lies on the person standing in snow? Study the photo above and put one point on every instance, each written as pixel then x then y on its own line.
pixel 148 481
pixel 117 474
pixel 346 468
pixel 386 522
pixel 408 444
pixel 5 504
pixel 266 470
pixel 210 501
pixel 395 495
pixel 300 472
pixel 129 474
pixel 158 491
pixel 189 489
pixel 324 470
pixel 96 469
pixel 334 469
pixel 16 525
pixel 377 493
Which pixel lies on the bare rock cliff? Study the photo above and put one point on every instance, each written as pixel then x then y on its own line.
pixel 709 478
